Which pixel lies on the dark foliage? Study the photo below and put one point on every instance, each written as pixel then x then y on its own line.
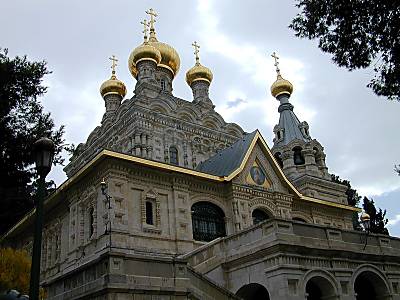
pixel 22 122
pixel 378 217
pixel 359 34
pixel 353 198
pixel 397 169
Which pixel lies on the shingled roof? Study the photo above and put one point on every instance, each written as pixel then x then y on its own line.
pixel 228 159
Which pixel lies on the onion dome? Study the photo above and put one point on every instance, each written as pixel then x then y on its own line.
pixel 113 85
pixel 144 52
pixel 281 86
pixel 169 57
pixel 198 72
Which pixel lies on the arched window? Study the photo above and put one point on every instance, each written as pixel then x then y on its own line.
pixel 258 216
pixel 173 155
pixel 149 213
pixel 208 221
pixel 278 157
pixel 298 156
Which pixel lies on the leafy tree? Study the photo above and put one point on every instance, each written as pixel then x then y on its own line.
pixel 22 122
pixel 359 34
pixel 15 266
pixel 397 169
pixel 378 217
pixel 352 198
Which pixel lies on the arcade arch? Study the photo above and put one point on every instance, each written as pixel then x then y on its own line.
pixel 253 291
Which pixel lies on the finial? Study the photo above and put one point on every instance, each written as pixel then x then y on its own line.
pixel 276 64
pixel 146 29
pixel 196 51
pixel 113 64
pixel 151 12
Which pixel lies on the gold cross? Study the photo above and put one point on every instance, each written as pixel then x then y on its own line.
pixel 151 12
pixel 196 50
pixel 146 28
pixel 276 64
pixel 114 63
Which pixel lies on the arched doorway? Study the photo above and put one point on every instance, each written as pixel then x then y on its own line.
pixel 319 288
pixel 370 286
pixel 208 221
pixel 253 291
pixel 259 216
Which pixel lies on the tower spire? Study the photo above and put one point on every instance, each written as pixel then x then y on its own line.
pixel 196 52
pixel 151 12
pixel 113 65
pixel 145 29
pixel 276 64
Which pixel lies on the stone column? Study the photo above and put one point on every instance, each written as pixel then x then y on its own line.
pixel 289 167
pixel 311 166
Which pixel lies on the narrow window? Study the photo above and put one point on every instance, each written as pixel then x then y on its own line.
pixel 279 135
pixel 149 213
pixel 173 155
pixel 298 156
pixel 91 222
pixel 278 157
pixel 163 85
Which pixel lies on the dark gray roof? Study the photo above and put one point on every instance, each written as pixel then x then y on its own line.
pixel 289 122
pixel 228 159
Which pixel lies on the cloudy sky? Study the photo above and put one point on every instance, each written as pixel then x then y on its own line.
pixel 357 128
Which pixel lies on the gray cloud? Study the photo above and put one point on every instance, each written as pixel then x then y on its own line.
pixel 235 103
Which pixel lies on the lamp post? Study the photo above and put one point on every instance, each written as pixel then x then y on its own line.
pixel 44 153
pixel 104 191
pixel 366 223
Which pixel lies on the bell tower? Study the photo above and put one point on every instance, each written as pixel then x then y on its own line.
pixel 301 157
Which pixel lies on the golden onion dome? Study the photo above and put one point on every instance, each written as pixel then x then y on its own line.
pixel 169 57
pixel 144 52
pixel 113 86
pixel 281 86
pixel 198 72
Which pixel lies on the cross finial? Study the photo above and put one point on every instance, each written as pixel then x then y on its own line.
pixel 113 64
pixel 146 28
pixel 276 64
pixel 151 12
pixel 196 51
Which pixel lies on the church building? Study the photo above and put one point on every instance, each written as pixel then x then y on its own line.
pixel 166 200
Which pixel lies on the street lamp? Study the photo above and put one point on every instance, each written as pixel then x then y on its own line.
pixel 104 191
pixel 366 223
pixel 44 153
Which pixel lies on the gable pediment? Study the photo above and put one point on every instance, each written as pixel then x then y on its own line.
pixel 259 171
